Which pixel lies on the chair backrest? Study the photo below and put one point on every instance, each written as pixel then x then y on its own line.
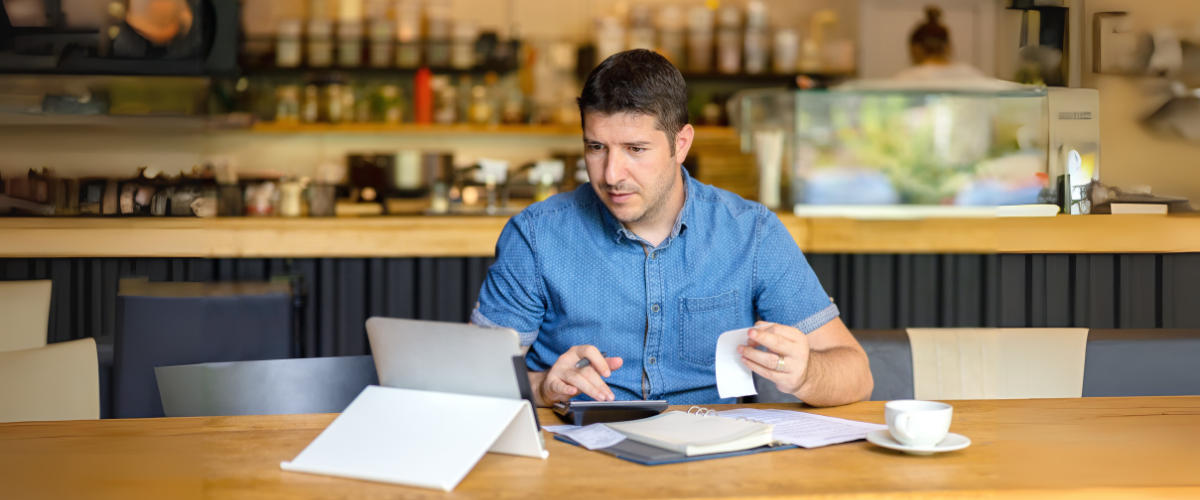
pixel 1123 363
pixel 25 309
pixel 890 357
pixel 272 387
pixel 997 363
pixel 57 382
pixel 168 324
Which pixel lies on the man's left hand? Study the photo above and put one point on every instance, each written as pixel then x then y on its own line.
pixel 783 343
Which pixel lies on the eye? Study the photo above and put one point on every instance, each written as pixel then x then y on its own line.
pixel 636 149
pixel 595 147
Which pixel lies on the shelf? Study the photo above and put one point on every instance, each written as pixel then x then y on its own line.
pixel 413 128
pixel 706 133
pixel 170 122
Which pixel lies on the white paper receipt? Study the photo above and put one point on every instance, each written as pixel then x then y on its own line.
pixel 734 378
pixel 592 437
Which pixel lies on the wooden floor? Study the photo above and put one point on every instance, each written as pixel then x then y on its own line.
pixel 1076 448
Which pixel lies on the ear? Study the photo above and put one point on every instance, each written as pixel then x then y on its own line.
pixel 683 142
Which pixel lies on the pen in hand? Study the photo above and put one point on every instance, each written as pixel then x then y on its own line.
pixel 585 362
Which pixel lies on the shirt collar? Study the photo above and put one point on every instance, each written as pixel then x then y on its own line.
pixel 681 221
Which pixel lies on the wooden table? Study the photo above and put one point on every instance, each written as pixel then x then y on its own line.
pixel 1073 448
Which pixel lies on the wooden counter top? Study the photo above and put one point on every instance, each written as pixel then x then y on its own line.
pixel 467 236
pixel 1082 448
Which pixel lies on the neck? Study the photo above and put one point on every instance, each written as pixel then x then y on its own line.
pixel 656 228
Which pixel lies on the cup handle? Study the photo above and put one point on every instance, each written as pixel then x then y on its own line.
pixel 901 422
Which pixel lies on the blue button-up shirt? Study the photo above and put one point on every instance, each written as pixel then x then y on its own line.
pixel 568 273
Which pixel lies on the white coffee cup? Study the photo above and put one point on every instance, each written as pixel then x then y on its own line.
pixel 918 423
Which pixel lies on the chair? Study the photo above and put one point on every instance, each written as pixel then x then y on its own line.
pixel 273 387
pixel 25 309
pixel 890 357
pixel 56 382
pixel 1124 363
pixel 167 324
pixel 997 363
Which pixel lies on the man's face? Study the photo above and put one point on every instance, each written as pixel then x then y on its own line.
pixel 630 164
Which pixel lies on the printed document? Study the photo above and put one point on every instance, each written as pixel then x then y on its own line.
pixel 806 429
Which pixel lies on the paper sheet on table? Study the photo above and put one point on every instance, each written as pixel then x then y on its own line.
pixel 734 378
pixel 806 429
pixel 592 437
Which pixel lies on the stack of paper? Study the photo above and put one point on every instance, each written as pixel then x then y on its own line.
pixel 806 429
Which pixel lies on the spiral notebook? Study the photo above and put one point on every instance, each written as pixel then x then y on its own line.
pixel 697 434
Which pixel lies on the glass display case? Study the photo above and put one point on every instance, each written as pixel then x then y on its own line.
pixel 883 146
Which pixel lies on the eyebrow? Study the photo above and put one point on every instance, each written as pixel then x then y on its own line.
pixel 637 144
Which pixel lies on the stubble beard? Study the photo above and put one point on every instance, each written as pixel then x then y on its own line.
pixel 656 199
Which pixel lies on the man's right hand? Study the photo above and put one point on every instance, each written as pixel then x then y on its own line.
pixel 564 381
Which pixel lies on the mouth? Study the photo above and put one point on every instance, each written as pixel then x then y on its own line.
pixel 620 197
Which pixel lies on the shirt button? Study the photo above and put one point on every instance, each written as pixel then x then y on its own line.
pixel 654 308
pixel 654 255
pixel 652 360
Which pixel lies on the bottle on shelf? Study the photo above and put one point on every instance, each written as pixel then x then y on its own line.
pixel 288 43
pixel 380 34
pixel 462 47
pixel 729 40
pixel 700 39
pixel 437 34
pixel 408 33
pixel 350 33
pixel 671 28
pixel 787 47
pixel 757 41
pixel 641 28
pixel 320 43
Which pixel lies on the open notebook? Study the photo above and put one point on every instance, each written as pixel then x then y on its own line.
pixel 695 434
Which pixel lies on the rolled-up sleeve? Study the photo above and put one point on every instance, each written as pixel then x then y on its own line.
pixel 511 295
pixel 786 290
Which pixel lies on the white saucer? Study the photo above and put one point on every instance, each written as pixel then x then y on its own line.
pixel 952 442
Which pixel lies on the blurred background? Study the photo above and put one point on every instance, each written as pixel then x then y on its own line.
pixel 363 155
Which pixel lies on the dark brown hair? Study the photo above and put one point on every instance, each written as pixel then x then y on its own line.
pixel 931 37
pixel 638 81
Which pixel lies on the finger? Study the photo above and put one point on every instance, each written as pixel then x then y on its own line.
pixel 614 363
pixel 560 390
pixel 765 372
pixel 770 339
pixel 769 359
pixel 594 379
pixel 576 379
pixel 752 343
pixel 593 354
pixel 763 324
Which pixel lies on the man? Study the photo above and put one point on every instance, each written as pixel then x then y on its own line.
pixel 646 267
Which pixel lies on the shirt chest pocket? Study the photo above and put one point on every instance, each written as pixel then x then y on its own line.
pixel 702 321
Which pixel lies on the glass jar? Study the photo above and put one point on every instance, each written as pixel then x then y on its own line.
pixel 462 49
pixel 408 34
pixel 391 106
pixel 288 43
pixel 729 41
pixel 350 43
pixel 671 34
pixel 311 111
pixel 700 39
pixel 787 48
pixel 320 43
pixel 381 43
pixel 287 104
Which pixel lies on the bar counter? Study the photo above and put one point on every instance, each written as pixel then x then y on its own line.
pixel 475 236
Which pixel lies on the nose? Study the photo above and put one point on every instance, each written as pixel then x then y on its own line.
pixel 615 170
